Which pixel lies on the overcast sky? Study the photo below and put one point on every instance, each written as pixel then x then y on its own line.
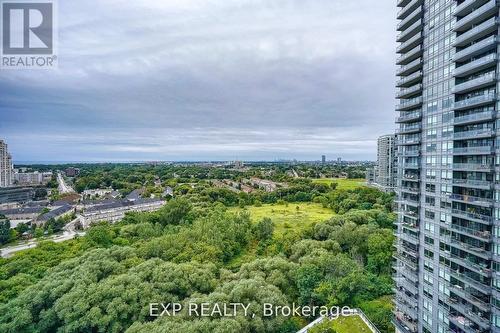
pixel 207 80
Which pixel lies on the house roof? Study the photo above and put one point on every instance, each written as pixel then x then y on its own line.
pixel 55 213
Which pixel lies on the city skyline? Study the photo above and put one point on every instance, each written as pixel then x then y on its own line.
pixel 286 80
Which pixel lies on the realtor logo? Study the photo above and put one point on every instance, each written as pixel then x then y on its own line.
pixel 28 32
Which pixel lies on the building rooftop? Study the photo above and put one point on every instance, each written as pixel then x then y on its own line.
pixel 55 213
pixel 24 210
pixel 120 204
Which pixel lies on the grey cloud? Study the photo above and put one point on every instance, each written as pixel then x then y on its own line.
pixel 286 69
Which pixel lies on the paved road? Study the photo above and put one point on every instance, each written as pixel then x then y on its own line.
pixel 66 235
pixel 63 187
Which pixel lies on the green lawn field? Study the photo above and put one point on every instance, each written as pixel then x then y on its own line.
pixel 350 324
pixel 285 218
pixel 343 184
pixel 293 215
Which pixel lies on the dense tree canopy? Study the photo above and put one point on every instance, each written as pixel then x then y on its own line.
pixel 195 250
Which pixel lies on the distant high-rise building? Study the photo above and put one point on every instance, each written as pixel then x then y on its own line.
pixel 447 264
pixel 371 175
pixel 6 167
pixel 386 162
pixel 72 172
pixel 339 160
pixel 323 159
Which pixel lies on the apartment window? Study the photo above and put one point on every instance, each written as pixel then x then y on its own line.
pixel 427 305
pixel 447 131
pixel 446 174
pixel 432 120
pixel 429 241
pixel 431 147
pixel 446 189
pixel 496 320
pixel 446 218
pixel 432 106
pixel 431 160
pixel 496 249
pixel 496 283
pixel 429 265
pixel 431 133
pixel 427 318
pixel 446 160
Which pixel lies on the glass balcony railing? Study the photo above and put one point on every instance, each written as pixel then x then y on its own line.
pixel 408 129
pixel 480 133
pixel 415 15
pixel 475 101
pixel 476 49
pixel 411 116
pixel 482 150
pixel 472 183
pixel 475 65
pixel 410 43
pixel 404 93
pixel 472 215
pixel 466 6
pixel 410 103
pixel 475 117
pixel 476 32
pixel 410 68
pixel 483 235
pixel 476 16
pixel 410 31
pixel 410 55
pixel 412 5
pixel 476 83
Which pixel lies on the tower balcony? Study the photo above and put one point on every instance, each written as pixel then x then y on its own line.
pixel 409 104
pixel 474 118
pixel 410 92
pixel 476 65
pixel 467 6
pixel 410 43
pixel 478 15
pixel 474 84
pixel 415 128
pixel 410 68
pixel 418 13
pixel 410 80
pixel 407 10
pixel 477 32
pixel 409 117
pixel 475 134
pixel 475 217
pixel 475 101
pixel 410 55
pixel 410 31
pixel 471 183
pixel 476 49
pixel 481 150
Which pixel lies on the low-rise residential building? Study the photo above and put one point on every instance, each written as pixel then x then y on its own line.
pixel 24 213
pixel 135 194
pixel 57 213
pixel 115 211
pixel 32 178
pixel 264 184
pixel 96 193
pixel 16 195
